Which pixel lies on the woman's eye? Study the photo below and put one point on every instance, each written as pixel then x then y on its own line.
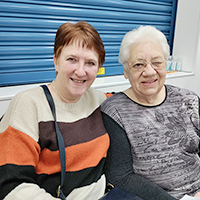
pixel 157 64
pixel 91 63
pixel 71 59
pixel 138 65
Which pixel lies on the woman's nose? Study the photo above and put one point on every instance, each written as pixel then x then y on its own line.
pixel 80 69
pixel 149 70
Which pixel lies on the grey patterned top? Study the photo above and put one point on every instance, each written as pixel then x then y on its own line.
pixel 164 138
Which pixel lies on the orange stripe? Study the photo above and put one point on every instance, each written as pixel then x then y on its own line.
pixel 18 148
pixel 108 94
pixel 78 157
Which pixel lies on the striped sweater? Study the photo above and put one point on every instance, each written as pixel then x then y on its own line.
pixel 30 162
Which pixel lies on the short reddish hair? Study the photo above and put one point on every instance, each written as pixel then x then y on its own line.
pixel 82 32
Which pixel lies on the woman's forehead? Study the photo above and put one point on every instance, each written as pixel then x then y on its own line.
pixel 143 49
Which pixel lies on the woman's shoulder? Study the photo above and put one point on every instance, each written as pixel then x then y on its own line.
pixel 116 96
pixel 26 101
pixel 29 94
pixel 22 112
pixel 173 91
pixel 95 95
pixel 113 101
pixel 27 98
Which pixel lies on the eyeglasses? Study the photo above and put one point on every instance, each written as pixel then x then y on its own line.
pixel 139 65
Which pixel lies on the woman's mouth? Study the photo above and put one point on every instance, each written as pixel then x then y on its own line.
pixel 78 81
pixel 150 82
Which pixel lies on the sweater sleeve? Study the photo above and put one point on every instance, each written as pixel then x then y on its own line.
pixel 20 152
pixel 119 169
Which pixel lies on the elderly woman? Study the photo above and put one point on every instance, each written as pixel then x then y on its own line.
pixel 155 125
pixel 29 162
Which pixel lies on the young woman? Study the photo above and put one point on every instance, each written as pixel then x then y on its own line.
pixel 29 162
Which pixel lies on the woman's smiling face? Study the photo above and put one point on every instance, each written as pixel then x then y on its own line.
pixel 148 82
pixel 76 67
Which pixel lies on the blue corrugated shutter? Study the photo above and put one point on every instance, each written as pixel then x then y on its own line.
pixel 28 27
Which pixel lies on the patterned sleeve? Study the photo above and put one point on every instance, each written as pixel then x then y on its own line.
pixel 118 167
pixel 199 123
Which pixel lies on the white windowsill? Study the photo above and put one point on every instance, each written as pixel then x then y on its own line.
pixel 179 74
pixel 6 93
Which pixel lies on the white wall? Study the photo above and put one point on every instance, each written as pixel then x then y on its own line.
pixel 186 45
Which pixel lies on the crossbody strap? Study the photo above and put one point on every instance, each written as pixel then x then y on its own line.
pixel 61 144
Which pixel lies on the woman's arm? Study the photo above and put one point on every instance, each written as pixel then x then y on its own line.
pixel 20 152
pixel 119 168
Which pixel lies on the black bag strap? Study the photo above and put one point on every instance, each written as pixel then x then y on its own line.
pixel 61 144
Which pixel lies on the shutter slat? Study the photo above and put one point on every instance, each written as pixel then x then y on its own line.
pixel 27 31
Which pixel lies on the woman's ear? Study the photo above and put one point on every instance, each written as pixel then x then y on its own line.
pixel 55 63
pixel 125 74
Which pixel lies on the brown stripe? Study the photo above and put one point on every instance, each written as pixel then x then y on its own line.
pixel 78 132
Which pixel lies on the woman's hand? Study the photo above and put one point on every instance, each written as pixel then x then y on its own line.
pixel 197 194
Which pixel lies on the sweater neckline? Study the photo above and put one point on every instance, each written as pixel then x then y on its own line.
pixel 71 107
